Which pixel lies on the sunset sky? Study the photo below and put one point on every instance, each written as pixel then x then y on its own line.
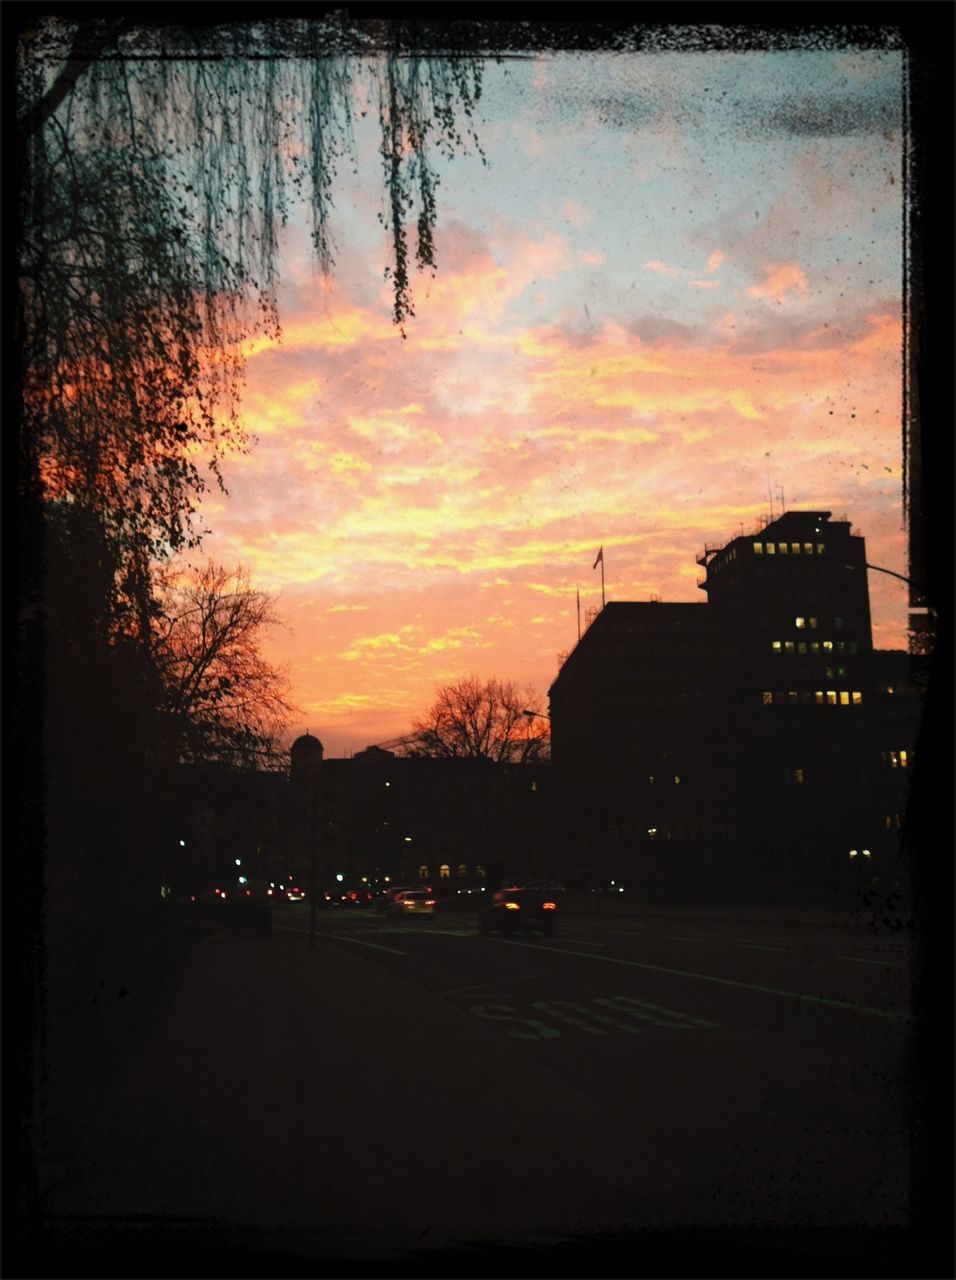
pixel 673 290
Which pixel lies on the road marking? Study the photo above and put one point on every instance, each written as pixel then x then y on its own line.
pixel 344 937
pixel 575 943
pixel 705 977
pixel 892 964
pixel 756 946
pixel 478 986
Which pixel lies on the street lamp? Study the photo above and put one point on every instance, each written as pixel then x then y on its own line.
pixel 892 573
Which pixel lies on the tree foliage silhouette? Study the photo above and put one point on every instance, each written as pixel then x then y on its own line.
pixel 475 719
pixel 223 700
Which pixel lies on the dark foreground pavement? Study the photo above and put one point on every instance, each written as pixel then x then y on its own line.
pixel 252 1107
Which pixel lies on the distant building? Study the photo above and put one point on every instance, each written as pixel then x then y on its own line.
pixel 753 749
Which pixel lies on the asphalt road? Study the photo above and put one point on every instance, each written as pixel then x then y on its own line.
pixel 762 1068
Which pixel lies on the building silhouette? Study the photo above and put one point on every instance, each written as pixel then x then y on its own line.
pixel 752 749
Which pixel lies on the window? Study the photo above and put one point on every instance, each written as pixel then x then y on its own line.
pixel 462 870
pixel 776 646
pixel 857 696
pixel 793 697
pixel 676 778
pixel 444 870
pixel 813 623
pixel 821 548
pixel 818 698
pixel 844 698
pixel 766 698
pixel 771 549
pixel 798 775
pixel 802 646
pixel 799 623
pixel 831 697
pixel 423 871
pixel 828 646
pixel 788 646
pixel 783 548
pixel 814 646
pixel 795 548
pixel 758 548
pixel 808 548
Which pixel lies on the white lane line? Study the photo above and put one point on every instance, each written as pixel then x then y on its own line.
pixel 479 986
pixel 891 964
pixel 574 943
pixel 756 946
pixel 343 936
pixel 706 977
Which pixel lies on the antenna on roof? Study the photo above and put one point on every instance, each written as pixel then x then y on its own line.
pixel 783 505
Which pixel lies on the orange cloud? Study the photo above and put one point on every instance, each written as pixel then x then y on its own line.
pixel 779 280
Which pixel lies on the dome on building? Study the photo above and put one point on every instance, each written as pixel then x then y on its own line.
pixel 305 753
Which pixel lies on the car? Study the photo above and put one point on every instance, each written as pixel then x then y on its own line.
pixel 387 896
pixel 359 897
pixel 545 886
pixel 520 910
pixel 411 902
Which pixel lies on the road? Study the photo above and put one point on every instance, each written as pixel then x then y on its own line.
pixel 761 1068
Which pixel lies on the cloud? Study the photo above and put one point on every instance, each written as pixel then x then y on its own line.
pixel 779 280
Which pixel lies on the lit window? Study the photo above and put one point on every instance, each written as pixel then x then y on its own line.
pixel 767 698
pixel 462 870
pixel 758 548
pixel 788 646
pixel 813 623
pixel 852 853
pixel 423 871
pixel 444 870
pixel 783 548
pixel 676 777
pixel 650 778
pixel 793 697
pixel 771 549
pixel 831 697
pixel 892 757
pixel 777 646
pixel 818 698
pixel 828 646
pixel 800 623
pixel 795 548
pixel 844 698
pixel 840 646
pixel 890 689
pixel 802 646
pixel 865 852
pixel 652 833
pixel 798 775
pixel 857 697
pixel 808 548
pixel 829 672
pixel 821 547
pixel 902 759
pixel 814 646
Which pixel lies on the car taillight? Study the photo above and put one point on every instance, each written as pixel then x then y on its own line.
pixel 406 903
pixel 429 902
pixel 513 906
pixel 549 906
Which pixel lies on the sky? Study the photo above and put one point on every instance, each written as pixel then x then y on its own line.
pixel 670 296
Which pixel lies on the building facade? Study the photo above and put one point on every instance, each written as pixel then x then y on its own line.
pixel 752 749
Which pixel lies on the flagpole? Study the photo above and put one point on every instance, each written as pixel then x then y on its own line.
pixel 579 615
pixel 602 577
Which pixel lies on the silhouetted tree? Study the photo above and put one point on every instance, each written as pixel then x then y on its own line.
pixel 477 719
pixel 223 701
